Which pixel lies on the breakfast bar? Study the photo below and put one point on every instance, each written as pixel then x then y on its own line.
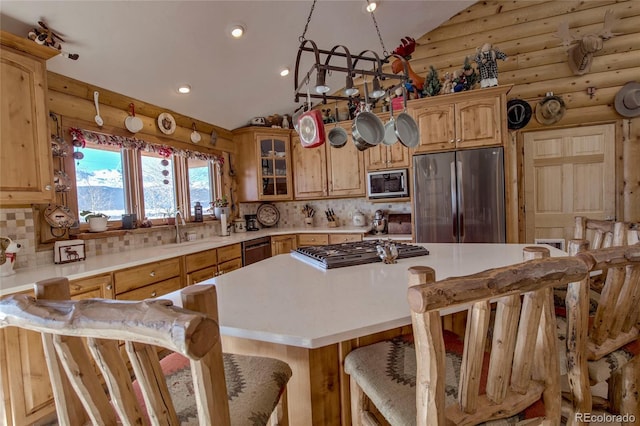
pixel 312 318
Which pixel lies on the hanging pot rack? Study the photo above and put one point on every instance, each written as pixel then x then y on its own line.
pixel 371 65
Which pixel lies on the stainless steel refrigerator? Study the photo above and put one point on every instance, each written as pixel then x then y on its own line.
pixel 459 196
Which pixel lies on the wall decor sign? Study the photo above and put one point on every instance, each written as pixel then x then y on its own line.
pixel 68 251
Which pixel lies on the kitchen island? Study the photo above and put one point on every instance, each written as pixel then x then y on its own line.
pixel 312 318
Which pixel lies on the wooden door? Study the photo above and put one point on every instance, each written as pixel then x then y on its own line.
pixel 397 156
pixel 376 157
pixel 436 126
pixel 309 170
pixel 478 122
pixel 345 169
pixel 283 244
pixel 568 172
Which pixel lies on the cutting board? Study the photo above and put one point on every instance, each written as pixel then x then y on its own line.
pixel 399 223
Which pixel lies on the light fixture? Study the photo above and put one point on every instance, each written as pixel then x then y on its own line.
pixel 184 89
pixel 377 91
pixel 284 72
pixel 237 31
pixel 350 89
pixel 321 86
pixel 371 6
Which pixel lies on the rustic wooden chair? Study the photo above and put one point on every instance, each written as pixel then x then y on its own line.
pixel 598 233
pixel 605 346
pixel 195 391
pixel 489 375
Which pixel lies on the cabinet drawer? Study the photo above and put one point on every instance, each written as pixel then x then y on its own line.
pixel 200 260
pixel 202 275
pixel 153 290
pixel 344 238
pixel 313 240
pixel 140 276
pixel 98 286
pixel 229 252
pixel 230 265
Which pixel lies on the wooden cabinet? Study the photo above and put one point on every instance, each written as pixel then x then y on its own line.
pixel 283 244
pixel 263 164
pixel 25 389
pixel 327 171
pixel 149 280
pixel 208 264
pixel 26 174
pixel 344 238
pixel 462 120
pixel 383 156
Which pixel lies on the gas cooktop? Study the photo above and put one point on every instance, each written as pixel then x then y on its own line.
pixel 350 254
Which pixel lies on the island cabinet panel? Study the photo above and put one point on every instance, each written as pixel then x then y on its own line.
pixel 263 164
pixel 462 120
pixel 26 167
pixel 283 244
pixel 141 276
pixel 344 238
pixel 313 240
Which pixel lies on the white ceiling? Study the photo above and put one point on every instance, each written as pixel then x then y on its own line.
pixel 145 49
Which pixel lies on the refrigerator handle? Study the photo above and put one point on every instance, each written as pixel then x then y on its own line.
pixel 460 200
pixel 454 201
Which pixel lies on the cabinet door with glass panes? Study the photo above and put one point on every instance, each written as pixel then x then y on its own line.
pixel 274 171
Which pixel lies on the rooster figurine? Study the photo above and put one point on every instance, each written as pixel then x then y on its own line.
pixel 46 37
pixel 405 50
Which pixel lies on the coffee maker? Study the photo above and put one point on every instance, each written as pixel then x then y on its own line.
pixel 252 222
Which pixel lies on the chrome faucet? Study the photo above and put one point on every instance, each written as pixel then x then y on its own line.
pixel 178 239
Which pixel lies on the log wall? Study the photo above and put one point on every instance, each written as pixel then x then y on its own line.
pixel 537 64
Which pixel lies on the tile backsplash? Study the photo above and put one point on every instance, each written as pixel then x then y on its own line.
pixel 19 225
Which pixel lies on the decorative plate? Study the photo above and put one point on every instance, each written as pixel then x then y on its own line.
pixel 59 216
pixel 268 215
pixel 166 123
pixel 214 137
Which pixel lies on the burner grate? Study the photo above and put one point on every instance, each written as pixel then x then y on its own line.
pixel 352 253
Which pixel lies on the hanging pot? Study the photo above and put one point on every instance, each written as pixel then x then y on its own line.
pixel 406 127
pixel 132 123
pixel 337 136
pixel 367 129
pixel 390 136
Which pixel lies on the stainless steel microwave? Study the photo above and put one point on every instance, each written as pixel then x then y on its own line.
pixel 388 184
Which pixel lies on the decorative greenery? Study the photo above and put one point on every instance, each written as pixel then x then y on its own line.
pixel 220 202
pixel 432 84
pixel 88 214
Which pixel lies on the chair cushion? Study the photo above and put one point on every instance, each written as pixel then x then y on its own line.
pixel 386 372
pixel 254 387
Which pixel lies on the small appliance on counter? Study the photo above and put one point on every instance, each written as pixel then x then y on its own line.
pixel 379 223
pixel 252 222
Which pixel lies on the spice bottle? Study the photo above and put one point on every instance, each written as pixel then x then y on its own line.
pixel 198 211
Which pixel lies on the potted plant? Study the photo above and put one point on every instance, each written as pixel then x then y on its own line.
pixel 220 205
pixel 97 221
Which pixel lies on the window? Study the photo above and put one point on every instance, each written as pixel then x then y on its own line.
pixel 201 182
pixel 99 180
pixel 158 185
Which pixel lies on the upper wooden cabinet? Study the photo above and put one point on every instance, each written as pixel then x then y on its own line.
pixel 327 171
pixel 462 120
pixel 263 165
pixel 383 156
pixel 26 174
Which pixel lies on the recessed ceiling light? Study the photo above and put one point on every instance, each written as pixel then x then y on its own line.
pixel 284 72
pixel 237 31
pixel 185 88
pixel 371 6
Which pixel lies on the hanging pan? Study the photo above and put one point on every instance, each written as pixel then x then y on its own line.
pixel 367 129
pixel 406 127
pixel 337 136
pixel 132 123
pixel 311 127
pixel 390 136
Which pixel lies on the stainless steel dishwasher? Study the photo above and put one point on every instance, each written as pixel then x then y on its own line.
pixel 256 250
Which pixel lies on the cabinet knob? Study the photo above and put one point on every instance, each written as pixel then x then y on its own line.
pixel 47 188
pixel 109 287
pixel 152 273
pixel 153 294
pixel 452 141
pixel 458 140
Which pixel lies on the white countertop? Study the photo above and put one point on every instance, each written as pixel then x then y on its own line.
pixel 284 300
pixel 24 278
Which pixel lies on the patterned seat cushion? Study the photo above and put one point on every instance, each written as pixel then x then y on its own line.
pixel 386 372
pixel 599 370
pixel 254 387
